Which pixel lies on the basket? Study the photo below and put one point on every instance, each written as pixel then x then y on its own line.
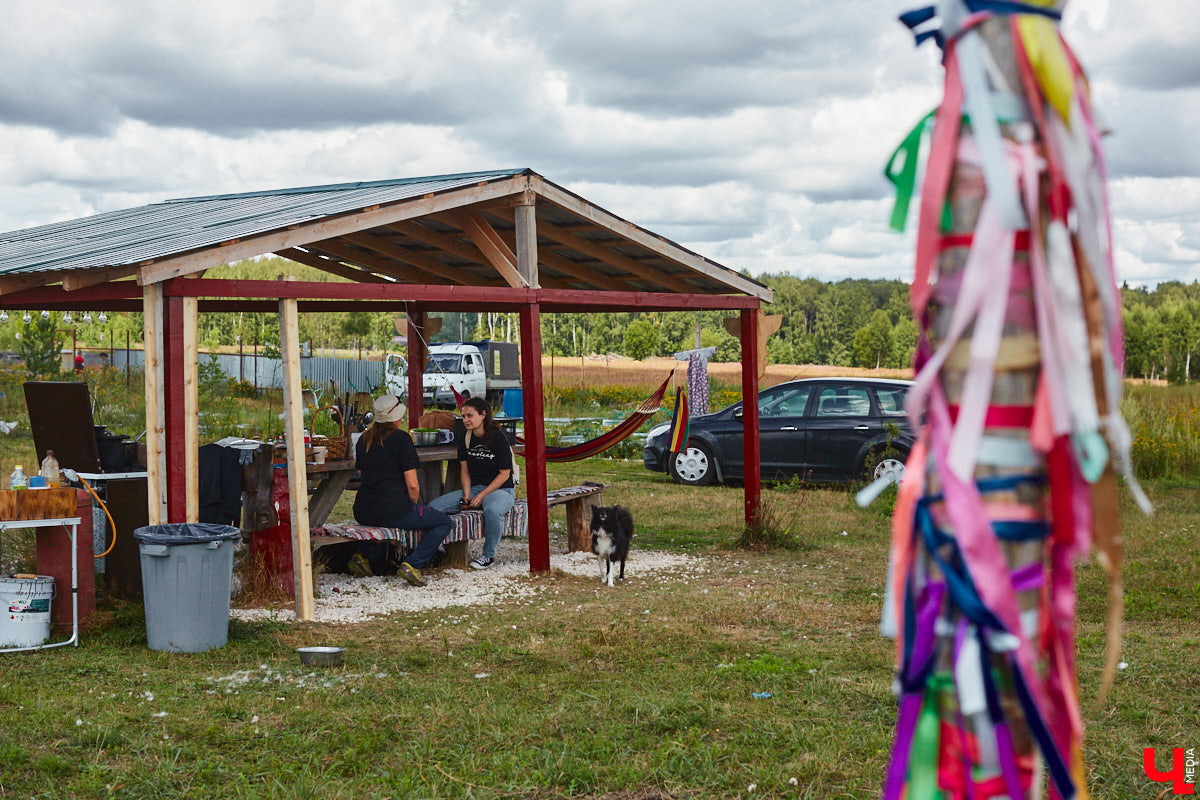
pixel 337 447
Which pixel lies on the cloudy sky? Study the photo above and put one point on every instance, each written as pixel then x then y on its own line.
pixel 752 132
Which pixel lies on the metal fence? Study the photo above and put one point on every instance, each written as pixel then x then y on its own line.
pixel 263 372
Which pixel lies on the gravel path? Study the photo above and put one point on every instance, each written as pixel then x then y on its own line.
pixel 345 599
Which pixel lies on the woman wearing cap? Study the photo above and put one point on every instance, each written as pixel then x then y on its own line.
pixel 387 497
pixel 486 465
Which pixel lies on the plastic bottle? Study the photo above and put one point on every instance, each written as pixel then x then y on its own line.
pixel 17 479
pixel 50 470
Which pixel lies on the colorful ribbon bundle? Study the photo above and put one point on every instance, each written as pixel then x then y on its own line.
pixel 1017 391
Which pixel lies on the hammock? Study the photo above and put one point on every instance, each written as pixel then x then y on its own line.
pixel 620 433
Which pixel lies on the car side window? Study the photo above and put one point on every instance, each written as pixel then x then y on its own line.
pixel 843 401
pixel 786 402
pixel 891 401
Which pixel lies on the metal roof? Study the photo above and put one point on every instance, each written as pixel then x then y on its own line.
pixel 443 229
pixel 133 235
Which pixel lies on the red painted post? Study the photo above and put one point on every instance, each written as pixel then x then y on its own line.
pixel 173 408
pixel 416 366
pixel 749 320
pixel 535 438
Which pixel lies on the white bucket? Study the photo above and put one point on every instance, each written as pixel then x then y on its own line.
pixel 25 603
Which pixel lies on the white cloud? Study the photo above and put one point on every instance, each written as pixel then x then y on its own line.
pixel 755 135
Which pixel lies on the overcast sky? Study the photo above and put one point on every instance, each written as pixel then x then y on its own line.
pixel 751 132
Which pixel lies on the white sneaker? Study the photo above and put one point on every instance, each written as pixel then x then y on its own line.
pixel 483 562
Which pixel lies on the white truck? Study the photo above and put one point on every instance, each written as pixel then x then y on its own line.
pixel 475 369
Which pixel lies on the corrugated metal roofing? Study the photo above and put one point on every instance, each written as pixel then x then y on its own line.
pixel 131 236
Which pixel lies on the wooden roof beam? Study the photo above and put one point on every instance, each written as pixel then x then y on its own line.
pixel 419 260
pixel 29 280
pixel 490 244
pixel 608 256
pixel 577 271
pixel 344 250
pixel 78 279
pixel 330 266
pixel 441 241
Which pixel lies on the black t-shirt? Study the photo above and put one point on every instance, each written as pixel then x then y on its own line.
pixel 484 462
pixel 383 494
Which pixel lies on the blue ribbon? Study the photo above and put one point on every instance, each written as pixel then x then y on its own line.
pixel 919 16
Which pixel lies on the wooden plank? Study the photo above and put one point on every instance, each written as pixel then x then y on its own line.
pixel 332 267
pixel 419 260
pixel 442 241
pixel 28 280
pixel 663 247
pixel 156 499
pixel 490 244
pixel 343 249
pixel 525 218
pixel 191 406
pixel 325 228
pixel 417 354
pixel 293 405
pixel 77 279
pixel 750 438
pixel 580 272
pixel 535 439
pixel 613 258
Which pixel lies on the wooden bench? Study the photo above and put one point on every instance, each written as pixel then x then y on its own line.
pixel 468 525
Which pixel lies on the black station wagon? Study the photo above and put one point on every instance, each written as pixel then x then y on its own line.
pixel 818 429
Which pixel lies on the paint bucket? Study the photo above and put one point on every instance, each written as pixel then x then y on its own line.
pixel 25 603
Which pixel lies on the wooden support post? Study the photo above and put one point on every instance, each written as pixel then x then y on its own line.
pixel 525 217
pixel 156 495
pixel 173 418
pixel 191 408
pixel 293 403
pixel 535 438
pixel 417 353
pixel 753 469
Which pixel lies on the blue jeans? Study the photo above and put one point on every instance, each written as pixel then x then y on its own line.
pixel 495 506
pixel 437 527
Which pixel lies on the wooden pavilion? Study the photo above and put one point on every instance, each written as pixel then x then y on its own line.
pixel 506 240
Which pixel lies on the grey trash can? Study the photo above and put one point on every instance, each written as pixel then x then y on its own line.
pixel 187 569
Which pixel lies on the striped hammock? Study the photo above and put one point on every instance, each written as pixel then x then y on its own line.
pixel 578 452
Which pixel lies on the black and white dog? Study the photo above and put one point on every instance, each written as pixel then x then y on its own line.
pixel 612 530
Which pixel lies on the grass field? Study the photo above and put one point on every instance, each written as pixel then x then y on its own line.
pixel 638 692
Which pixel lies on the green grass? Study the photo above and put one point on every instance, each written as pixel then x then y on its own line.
pixel 642 691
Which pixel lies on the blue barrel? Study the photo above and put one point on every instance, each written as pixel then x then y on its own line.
pixel 514 402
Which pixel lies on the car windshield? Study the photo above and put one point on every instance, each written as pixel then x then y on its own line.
pixel 444 362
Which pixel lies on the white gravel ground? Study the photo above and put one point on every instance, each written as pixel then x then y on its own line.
pixel 345 599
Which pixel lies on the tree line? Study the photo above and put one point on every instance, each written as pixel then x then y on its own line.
pixel 854 322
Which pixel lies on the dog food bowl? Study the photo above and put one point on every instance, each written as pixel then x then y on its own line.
pixel 321 656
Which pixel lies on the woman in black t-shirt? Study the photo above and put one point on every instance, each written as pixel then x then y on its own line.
pixel 486 466
pixel 387 497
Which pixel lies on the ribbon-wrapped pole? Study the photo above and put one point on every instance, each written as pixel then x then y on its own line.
pixel 1016 396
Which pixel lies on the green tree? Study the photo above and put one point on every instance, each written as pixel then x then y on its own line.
pixel 641 339
pixel 38 346
pixel 873 344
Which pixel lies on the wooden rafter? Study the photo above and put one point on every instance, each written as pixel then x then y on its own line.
pixel 490 244
pixel 340 248
pixel 610 256
pixel 330 266
pixel 28 280
pixel 442 241
pixel 77 279
pixel 403 254
pixel 581 272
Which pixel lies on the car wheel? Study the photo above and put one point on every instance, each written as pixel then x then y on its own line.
pixel 695 466
pixel 886 465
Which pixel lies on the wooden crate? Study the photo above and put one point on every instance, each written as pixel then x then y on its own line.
pixel 36 504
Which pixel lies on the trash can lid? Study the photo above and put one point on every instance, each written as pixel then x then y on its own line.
pixel 186 533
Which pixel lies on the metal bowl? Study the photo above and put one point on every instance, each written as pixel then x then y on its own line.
pixel 426 438
pixel 321 656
